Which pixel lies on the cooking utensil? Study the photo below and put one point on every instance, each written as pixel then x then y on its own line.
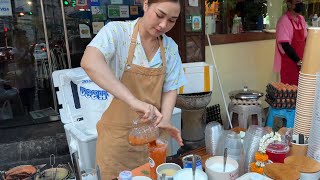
pixel 193 166
pixel 245 94
pixel 52 163
pixel 225 155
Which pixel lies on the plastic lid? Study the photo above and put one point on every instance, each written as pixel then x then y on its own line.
pixel 278 148
pixel 125 175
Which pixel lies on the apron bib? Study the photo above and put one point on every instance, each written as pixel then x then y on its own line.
pixel 289 69
pixel 113 151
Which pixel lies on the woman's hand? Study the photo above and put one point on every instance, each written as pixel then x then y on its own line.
pixel 172 131
pixel 147 111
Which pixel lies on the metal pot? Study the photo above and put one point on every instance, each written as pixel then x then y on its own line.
pixel 245 94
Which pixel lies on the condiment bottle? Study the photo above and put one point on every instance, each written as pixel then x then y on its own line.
pixel 125 175
pixel 143 132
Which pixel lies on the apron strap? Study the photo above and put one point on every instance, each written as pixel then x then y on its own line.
pixel 163 54
pixel 133 46
pixel 133 43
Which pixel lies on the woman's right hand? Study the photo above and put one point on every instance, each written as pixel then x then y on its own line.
pixel 147 111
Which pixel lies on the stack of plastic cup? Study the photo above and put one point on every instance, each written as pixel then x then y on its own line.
pixel 307 83
pixel 314 140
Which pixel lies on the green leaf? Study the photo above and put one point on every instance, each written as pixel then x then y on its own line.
pixel 145 172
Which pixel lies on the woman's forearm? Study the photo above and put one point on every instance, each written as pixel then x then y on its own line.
pixel 94 64
pixel 168 103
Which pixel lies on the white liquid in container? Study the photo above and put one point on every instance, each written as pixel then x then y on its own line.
pixel 168 172
pixel 218 167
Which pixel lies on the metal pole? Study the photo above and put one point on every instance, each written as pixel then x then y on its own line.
pixel 219 82
pixel 65 35
pixel 48 54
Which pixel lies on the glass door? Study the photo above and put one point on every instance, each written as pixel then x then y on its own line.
pixel 28 56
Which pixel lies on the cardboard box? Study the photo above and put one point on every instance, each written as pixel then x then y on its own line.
pixel 199 77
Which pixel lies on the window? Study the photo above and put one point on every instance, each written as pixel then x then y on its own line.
pixel 237 16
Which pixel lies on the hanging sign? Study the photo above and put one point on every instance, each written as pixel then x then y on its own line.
pixel 134 10
pixel 196 23
pixel 5 8
pixel 96 26
pixel 84 31
pixel 115 11
pixel 116 1
pixel 193 3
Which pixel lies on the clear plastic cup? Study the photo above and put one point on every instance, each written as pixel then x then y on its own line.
pixel 157 155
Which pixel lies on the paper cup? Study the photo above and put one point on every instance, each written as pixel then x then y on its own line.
pixel 311 62
pixel 298 149
pixel 214 168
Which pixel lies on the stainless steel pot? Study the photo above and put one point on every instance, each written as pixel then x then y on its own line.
pixel 245 94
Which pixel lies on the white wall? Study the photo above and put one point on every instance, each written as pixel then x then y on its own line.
pixel 240 64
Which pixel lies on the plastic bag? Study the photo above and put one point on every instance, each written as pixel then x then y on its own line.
pixel 6 111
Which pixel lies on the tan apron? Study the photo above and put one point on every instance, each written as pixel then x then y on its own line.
pixel 113 152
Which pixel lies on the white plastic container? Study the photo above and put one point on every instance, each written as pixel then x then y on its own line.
pixel 80 125
pixel 315 20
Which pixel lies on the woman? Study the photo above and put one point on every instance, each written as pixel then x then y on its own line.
pixel 149 67
pixel 290 42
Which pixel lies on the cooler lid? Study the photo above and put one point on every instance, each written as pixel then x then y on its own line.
pixel 67 93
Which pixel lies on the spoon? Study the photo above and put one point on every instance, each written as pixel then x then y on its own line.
pixel 163 176
pixel 193 166
pixel 225 155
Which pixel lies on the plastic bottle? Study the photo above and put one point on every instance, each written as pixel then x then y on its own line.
pixel 237 25
pixel 315 20
pixel 125 175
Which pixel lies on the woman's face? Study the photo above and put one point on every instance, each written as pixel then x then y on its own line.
pixel 159 18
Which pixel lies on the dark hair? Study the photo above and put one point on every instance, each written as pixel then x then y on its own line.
pixel 157 1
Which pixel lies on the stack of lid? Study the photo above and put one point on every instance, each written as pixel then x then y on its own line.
pixel 281 95
pixel 307 83
pixel 314 140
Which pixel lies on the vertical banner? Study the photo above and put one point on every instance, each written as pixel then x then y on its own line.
pixel 5 8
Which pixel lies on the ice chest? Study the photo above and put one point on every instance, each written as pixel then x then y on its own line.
pixel 199 77
pixel 80 125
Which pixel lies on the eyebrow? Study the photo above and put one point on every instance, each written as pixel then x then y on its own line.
pixel 166 14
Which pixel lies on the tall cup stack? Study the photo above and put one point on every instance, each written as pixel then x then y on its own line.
pixel 314 139
pixel 307 83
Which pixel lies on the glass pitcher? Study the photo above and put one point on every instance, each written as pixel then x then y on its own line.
pixel 143 132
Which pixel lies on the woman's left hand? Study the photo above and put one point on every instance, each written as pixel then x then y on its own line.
pixel 171 130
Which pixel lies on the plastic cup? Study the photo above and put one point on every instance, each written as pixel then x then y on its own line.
pixel 170 169
pixel 89 174
pixel 277 152
pixel 157 155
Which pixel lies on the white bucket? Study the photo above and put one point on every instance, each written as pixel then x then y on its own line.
pixel 214 168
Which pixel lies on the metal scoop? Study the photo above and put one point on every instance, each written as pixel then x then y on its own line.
pixel 193 166
pixel 225 156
